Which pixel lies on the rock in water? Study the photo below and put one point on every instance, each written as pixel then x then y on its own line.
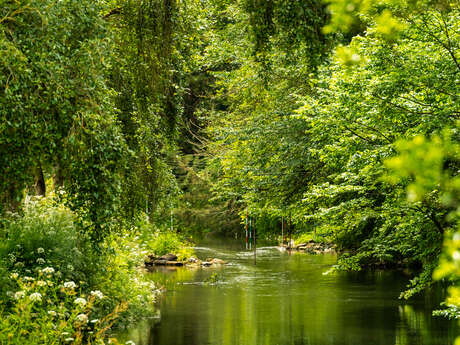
pixel 168 257
pixel 149 259
pixel 174 263
pixel 218 262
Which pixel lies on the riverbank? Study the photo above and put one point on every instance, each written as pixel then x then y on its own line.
pixel 311 247
pixel 55 285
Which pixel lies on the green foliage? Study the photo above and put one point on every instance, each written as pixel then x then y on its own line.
pixel 57 115
pixel 47 237
pixel 91 98
pixel 293 26
pixel 46 234
pixel 92 95
pixel 305 237
pixel 388 15
pixel 168 242
pixel 431 166
pixel 157 43
pixel 49 310
pixel 451 312
pixel 199 211
pixel 122 280
pixel 312 142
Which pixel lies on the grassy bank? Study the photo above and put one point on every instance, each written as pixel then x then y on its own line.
pixel 56 287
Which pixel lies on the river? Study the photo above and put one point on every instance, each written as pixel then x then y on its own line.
pixel 286 299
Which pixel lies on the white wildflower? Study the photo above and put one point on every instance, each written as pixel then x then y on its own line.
pixel 130 342
pixel 19 295
pixel 14 276
pixel 82 318
pixel 70 267
pixel 11 257
pixel 35 297
pixel 48 270
pixel 95 320
pixel 40 261
pixel 41 283
pixel 456 255
pixel 69 339
pixel 80 301
pixel 28 279
pixel 70 285
pixel 97 294
pixel 40 250
pixel 52 313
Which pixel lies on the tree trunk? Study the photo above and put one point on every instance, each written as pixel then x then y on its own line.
pixel 40 186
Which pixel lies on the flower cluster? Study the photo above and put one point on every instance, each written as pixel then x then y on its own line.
pixel 35 297
pixel 70 285
pixel 44 301
pixel 80 301
pixel 48 270
pixel 97 294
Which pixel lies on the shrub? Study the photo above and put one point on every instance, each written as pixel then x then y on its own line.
pixel 45 234
pixel 164 243
pixel 48 310
pixel 160 242
pixel 321 236
pixel 124 282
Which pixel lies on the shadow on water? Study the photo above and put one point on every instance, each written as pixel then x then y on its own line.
pixel 286 299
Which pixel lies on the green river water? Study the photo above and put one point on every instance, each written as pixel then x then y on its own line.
pixel 286 299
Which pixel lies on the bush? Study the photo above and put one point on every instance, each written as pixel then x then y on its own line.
pixel 48 310
pixel 165 242
pixel 326 237
pixel 160 242
pixel 46 234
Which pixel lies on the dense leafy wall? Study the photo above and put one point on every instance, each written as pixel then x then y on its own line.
pixel 310 140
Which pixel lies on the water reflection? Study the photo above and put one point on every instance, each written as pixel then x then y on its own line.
pixel 286 299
